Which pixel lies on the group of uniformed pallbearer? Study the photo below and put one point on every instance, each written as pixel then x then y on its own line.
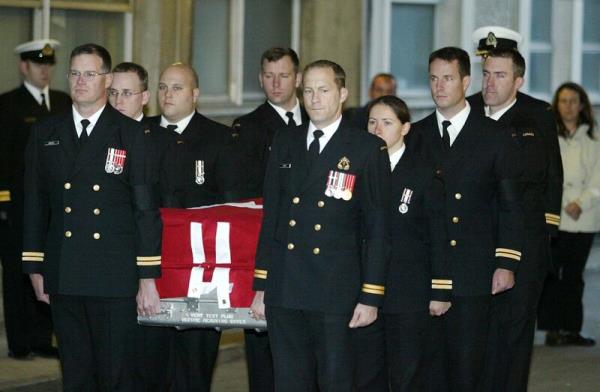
pixel 406 257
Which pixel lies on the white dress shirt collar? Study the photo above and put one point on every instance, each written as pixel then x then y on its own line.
pixel 496 116
pixel 281 111
pixel 93 119
pixel 458 122
pixel 328 132
pixel 395 157
pixel 181 124
pixel 37 93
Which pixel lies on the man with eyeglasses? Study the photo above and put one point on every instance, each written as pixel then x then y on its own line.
pixel 92 230
pixel 202 166
pixel 28 322
pixel 128 93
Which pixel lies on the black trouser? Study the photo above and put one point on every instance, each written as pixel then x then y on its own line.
pixel 259 361
pixel 561 306
pixel 458 345
pixel 310 349
pixel 96 337
pixel 28 322
pixel 154 359
pixel 406 336
pixel 512 321
pixel 195 354
pixel 369 342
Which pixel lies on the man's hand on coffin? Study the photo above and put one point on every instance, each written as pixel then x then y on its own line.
pixel 257 309
pixel 363 316
pixel 148 300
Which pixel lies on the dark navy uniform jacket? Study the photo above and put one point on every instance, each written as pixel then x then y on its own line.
pixel 482 203
pixel 311 254
pixel 256 132
pixel 18 112
pixel 88 231
pixel 207 143
pixel 418 271
pixel 533 130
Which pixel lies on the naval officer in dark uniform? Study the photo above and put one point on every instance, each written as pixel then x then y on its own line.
pixel 28 322
pixel 92 230
pixel 279 79
pixel 534 134
pixel 201 166
pixel 418 284
pixel 326 189
pixel 128 93
pixel 474 157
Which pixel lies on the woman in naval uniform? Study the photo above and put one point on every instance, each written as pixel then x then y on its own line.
pixel 418 285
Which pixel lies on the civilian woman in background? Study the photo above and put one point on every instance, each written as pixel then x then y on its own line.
pixel 561 308
pixel 418 285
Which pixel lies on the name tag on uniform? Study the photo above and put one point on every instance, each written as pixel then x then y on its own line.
pixel 285 165
pixel 50 143
pixel 340 185
pixel 115 161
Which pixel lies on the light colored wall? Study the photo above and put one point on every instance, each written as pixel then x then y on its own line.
pixel 332 30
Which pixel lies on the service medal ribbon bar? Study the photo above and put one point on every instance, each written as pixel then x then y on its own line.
pixel 115 161
pixel 340 185
pixel 405 200
pixel 199 172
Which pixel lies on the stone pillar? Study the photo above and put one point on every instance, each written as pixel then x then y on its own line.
pixel 161 36
pixel 332 30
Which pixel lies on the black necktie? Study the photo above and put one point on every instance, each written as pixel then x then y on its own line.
pixel 445 134
pixel 291 122
pixel 172 127
pixel 44 105
pixel 315 147
pixel 83 137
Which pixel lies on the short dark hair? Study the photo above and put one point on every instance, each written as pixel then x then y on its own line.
pixel 517 60
pixel 135 68
pixel 452 53
pixel 277 53
pixel 96 49
pixel 338 71
pixel 586 115
pixel 397 105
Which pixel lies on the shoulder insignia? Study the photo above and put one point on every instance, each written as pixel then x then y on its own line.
pixel 146 131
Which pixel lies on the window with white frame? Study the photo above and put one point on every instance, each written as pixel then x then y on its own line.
pixel 401 37
pixel 590 56
pixel 228 40
pixel 72 23
pixel 540 48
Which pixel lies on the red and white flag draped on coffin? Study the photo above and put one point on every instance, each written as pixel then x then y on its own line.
pixel 210 248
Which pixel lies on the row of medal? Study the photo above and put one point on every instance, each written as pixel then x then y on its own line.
pixel 115 161
pixel 340 185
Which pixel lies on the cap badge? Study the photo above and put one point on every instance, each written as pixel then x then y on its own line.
pixel 47 50
pixel 491 40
